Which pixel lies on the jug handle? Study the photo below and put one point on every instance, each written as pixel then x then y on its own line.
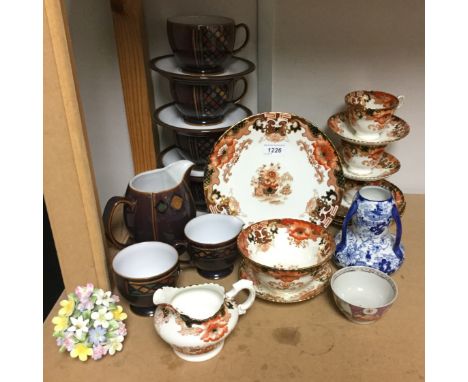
pixel 399 231
pixel 236 288
pixel 108 217
pixel 352 210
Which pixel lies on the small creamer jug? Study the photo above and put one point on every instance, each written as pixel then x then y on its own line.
pixel 195 320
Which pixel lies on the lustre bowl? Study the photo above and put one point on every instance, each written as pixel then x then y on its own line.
pixel 363 294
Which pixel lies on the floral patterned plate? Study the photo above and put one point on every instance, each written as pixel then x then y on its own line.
pixel 387 166
pixel 274 165
pixel 395 130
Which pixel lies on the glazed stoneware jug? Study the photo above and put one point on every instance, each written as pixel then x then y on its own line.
pixel 195 320
pixel 157 205
pixel 367 241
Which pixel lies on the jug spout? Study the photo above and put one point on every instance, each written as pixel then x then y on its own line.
pixel 179 170
pixel 164 295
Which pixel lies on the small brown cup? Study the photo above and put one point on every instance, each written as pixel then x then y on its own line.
pixel 140 269
pixel 203 101
pixel 211 242
pixel 202 44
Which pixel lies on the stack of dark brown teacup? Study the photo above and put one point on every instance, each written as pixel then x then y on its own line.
pixel 203 74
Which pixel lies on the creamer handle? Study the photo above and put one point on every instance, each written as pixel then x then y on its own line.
pixel 236 288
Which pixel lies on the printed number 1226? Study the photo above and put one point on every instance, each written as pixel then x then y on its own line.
pixel 274 150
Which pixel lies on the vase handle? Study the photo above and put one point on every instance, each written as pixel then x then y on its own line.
pixel 399 231
pixel 352 210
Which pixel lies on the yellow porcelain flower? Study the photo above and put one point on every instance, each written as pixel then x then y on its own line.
pixel 81 351
pixel 61 323
pixel 119 315
pixel 68 306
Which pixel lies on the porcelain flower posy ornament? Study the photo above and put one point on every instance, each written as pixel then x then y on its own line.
pixel 90 323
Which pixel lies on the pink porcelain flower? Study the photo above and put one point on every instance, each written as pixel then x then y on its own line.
pixel 122 329
pixel 98 352
pixel 84 295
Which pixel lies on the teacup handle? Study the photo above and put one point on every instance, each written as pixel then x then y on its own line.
pixel 181 248
pixel 236 288
pixel 344 230
pixel 245 89
pixel 108 217
pixel 401 101
pixel 247 36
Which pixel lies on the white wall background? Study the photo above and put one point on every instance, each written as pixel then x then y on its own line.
pixel 309 55
pixel 97 69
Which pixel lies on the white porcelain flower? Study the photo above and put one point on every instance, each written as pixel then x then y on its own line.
pixel 103 298
pixel 115 344
pixel 79 326
pixel 102 318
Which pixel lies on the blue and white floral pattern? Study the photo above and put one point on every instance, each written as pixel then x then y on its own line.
pixel 368 241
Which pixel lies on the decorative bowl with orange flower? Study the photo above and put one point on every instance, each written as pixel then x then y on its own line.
pixel 286 259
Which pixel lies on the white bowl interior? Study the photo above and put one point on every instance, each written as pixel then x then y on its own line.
pixel 363 289
pixel 213 228
pixel 145 260
pixel 198 303
pixel 282 254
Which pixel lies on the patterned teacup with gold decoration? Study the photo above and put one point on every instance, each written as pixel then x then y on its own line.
pixel 361 159
pixel 369 111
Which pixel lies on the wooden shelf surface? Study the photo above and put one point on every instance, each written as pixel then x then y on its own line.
pixel 273 342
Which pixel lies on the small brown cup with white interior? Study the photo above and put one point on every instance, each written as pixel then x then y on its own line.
pixel 211 242
pixel 140 269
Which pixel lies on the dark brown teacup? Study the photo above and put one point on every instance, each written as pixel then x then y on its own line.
pixel 211 242
pixel 140 269
pixel 205 101
pixel 202 44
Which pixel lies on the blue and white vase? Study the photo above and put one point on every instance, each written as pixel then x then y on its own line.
pixel 368 241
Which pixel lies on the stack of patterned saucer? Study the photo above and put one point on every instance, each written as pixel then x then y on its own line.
pixel 204 77
pixel 366 128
